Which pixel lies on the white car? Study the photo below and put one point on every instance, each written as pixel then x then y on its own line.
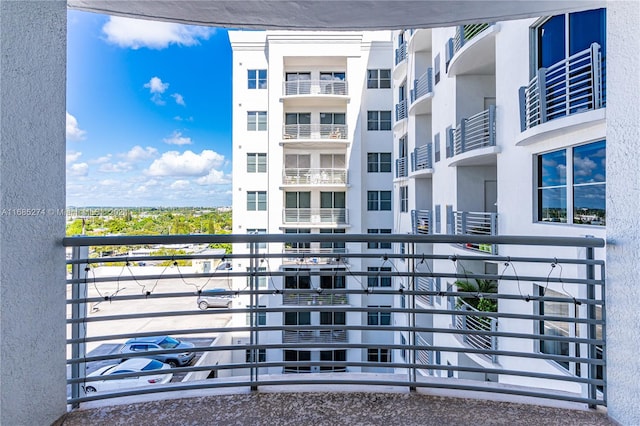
pixel 133 365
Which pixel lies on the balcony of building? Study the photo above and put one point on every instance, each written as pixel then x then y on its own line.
pixel 421 222
pixel 402 168
pixel 569 95
pixel 315 92
pixel 400 63
pixel 317 217
pixel 422 93
pixel 420 40
pixel 321 135
pixel 314 336
pixel 479 323
pixel 421 161
pixel 473 141
pixel 472 50
pixel 315 177
pixel 475 223
pixel 401 113
pixel 316 255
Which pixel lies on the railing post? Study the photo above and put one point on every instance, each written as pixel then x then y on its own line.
pixel 596 76
pixel 463 137
pixel 461 28
pixel 463 223
pixel 494 340
pixel 492 125
pixel 591 329
pixel 78 312
pixel 412 287
pixel 541 78
pixel 522 96
pixel 253 334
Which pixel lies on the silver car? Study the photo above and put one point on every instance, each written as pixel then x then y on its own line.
pixel 214 298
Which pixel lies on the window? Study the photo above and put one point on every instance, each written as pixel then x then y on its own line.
pixel 554 328
pixel 250 355
pixel 337 246
pixel 335 356
pixel 379 79
pixel 403 342
pixel 379 318
pixel 297 247
pixel 298 83
pixel 256 162
pixel 297 318
pixel 333 83
pixel 297 200
pixel 378 120
pixel 256 201
pixel 301 279
pixel 375 245
pixel 378 355
pixel 438 218
pixel 333 318
pixel 297 125
pixel 334 280
pixel 436 147
pixel 256 120
pixel 257 231
pixel 261 317
pixel 379 162
pixel 436 69
pixel 260 275
pixel 404 199
pixel 585 167
pixel 257 79
pixel 297 356
pixel 450 141
pixel 378 200
pixel 376 280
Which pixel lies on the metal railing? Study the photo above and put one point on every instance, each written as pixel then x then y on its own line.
pixel 476 323
pixel 110 301
pixel 573 85
pixel 421 222
pixel 401 53
pixel 312 297
pixel 464 33
pixel 315 131
pixel 308 254
pixel 315 87
pixel 425 284
pixel 421 158
pixel 476 223
pixel 401 110
pixel 477 131
pixel 319 216
pixel 322 176
pixel 401 167
pixel 423 85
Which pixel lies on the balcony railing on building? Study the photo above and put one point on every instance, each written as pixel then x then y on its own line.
pixel 329 132
pixel 315 87
pixel 421 222
pixel 401 110
pixel 476 223
pixel 319 216
pixel 314 298
pixel 421 158
pixel 312 254
pixel 110 300
pixel 401 53
pixel 573 85
pixel 295 176
pixel 401 167
pixel 475 132
pixel 422 85
pixel 464 33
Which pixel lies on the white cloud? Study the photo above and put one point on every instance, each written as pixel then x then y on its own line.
pixel 180 184
pixel 177 139
pixel 109 182
pixel 119 167
pixel 156 88
pixel 79 169
pixel 74 133
pixel 135 33
pixel 72 156
pixel 138 153
pixel 172 163
pixel 101 160
pixel 179 99
pixel 215 177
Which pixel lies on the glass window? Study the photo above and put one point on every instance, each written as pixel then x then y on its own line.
pixel 250 355
pixel 379 162
pixel 379 79
pixel 375 280
pixel 552 187
pixel 404 199
pixel 257 231
pixel 379 318
pixel 378 120
pixel 261 317
pixel 436 147
pixel 378 355
pixel 256 200
pixel 256 162
pixel 256 120
pixel 257 79
pixel 589 184
pixel 375 245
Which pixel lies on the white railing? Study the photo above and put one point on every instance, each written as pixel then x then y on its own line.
pixel 421 222
pixel 313 298
pixel 291 176
pixel 401 53
pixel 423 356
pixel 476 223
pixel 477 131
pixel 464 33
pixel 315 131
pixel 570 86
pixel 422 85
pixel 401 110
pixel 321 216
pixel 477 323
pixel 401 167
pixel 425 284
pixel 421 158
pixel 314 336
pixel 315 87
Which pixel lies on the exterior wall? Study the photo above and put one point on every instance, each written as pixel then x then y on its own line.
pixel 32 176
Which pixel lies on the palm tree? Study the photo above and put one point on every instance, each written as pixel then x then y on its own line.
pixel 480 287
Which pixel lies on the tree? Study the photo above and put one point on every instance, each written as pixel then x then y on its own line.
pixel 480 287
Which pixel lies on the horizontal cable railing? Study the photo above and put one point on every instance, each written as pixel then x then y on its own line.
pixel 401 167
pixel 322 176
pixel 570 86
pixel 421 158
pixel 421 222
pixel 464 33
pixel 315 87
pixel 476 223
pixel 315 216
pixel 401 53
pixel 477 131
pixel 315 131
pixel 422 85
pixel 401 110
pixel 292 319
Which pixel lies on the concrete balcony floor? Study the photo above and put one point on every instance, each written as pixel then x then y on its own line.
pixel 330 408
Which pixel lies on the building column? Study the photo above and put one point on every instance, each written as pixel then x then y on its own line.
pixel 32 201
pixel 623 209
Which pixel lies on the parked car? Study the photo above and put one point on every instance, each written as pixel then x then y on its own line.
pixel 158 343
pixel 214 298
pixel 134 365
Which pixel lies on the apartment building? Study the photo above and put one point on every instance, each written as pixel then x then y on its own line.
pixel 312 150
pixel 499 129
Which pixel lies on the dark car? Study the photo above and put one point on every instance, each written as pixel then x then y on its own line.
pixel 148 345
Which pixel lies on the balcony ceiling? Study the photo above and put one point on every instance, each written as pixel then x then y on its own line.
pixel 318 15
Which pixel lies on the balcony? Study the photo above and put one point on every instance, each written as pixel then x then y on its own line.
pixel 310 134
pixel 421 93
pixel 472 50
pixel 421 222
pixel 312 255
pixel 401 111
pixel 421 159
pixel 401 53
pixel 314 177
pixel 111 300
pixel 400 68
pixel 315 92
pixel 476 223
pixel 320 217
pixel 401 167
pixel 571 86
pixel 473 142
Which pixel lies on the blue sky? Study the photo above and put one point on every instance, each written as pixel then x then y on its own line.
pixel 148 113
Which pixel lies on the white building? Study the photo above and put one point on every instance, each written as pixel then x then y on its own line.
pixel 500 130
pixel 312 138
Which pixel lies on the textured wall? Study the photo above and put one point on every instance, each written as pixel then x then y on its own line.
pixel 32 191
pixel 623 205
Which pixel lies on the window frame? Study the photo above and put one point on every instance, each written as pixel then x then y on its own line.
pixel 256 162
pixel 254 122
pixel 259 205
pixel 259 83
pixel 375 121
pixel 377 81
pixel 377 317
